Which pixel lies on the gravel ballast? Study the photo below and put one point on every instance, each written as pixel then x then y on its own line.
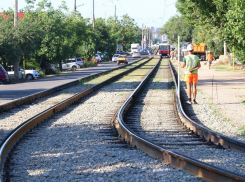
pixel 70 147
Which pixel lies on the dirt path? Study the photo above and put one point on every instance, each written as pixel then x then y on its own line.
pixel 227 92
pixel 221 98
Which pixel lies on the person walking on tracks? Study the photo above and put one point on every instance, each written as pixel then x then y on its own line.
pixel 210 58
pixel 191 64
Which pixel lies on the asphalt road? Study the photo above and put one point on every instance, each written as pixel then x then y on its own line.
pixel 12 92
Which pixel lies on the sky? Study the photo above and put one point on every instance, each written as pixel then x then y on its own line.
pixel 150 13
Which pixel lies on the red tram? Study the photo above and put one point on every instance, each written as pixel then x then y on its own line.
pixel 164 49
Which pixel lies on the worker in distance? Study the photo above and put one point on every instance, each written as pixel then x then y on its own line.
pixel 191 64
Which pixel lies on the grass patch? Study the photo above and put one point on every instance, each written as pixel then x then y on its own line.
pixel 225 68
pixel 68 92
pixel 242 130
pixel 225 119
pixel 121 94
pixel 243 102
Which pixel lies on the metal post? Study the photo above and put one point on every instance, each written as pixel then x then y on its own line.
pixel 233 58
pixel 178 67
pixel 16 64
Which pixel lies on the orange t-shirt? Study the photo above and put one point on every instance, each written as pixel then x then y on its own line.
pixel 172 54
pixel 210 57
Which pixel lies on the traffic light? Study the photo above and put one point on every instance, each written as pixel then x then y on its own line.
pixel 122 42
pixel 172 40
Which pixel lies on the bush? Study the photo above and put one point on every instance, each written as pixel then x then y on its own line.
pixel 49 71
pixel 41 72
pixel 91 63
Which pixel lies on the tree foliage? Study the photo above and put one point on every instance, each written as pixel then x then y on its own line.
pixel 177 25
pixel 224 16
pixel 46 35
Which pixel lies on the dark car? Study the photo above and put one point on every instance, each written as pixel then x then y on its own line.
pixel 144 52
pixel 122 52
pixel 4 78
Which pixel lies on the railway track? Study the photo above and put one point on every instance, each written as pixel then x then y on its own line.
pixel 149 131
pixel 15 170
pixel 152 123
pixel 30 114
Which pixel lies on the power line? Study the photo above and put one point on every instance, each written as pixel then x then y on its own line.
pixel 122 7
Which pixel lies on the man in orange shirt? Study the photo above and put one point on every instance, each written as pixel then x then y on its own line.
pixel 172 55
pixel 210 58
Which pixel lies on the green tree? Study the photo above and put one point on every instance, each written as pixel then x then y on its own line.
pixel 178 25
pixel 225 16
pixel 211 37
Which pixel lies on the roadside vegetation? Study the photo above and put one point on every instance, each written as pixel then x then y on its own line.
pixel 211 22
pixel 47 36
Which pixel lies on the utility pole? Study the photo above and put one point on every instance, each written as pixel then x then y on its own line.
pixel 16 64
pixel 145 38
pixel 16 13
pixel 115 10
pixel 75 7
pixel 142 42
pixel 178 66
pixel 225 49
pixel 93 15
pixel 149 37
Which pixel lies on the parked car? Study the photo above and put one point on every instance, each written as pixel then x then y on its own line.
pixel 115 56
pixel 150 51
pixel 104 55
pixel 67 66
pixel 53 66
pixel 79 61
pixel 98 57
pixel 29 74
pixel 136 55
pixel 4 78
pixel 95 58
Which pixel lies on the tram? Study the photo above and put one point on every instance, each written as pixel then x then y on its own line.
pixel 164 49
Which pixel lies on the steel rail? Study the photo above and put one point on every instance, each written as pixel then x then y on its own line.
pixel 202 131
pixel 19 131
pixel 32 97
pixel 193 166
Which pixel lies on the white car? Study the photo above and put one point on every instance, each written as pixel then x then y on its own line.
pixel 29 74
pixel 75 60
pixel 98 57
pixel 67 66
pixel 115 56
pixel 136 55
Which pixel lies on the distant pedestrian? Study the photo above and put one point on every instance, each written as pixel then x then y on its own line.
pixel 191 64
pixel 210 58
pixel 172 55
pixel 175 53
